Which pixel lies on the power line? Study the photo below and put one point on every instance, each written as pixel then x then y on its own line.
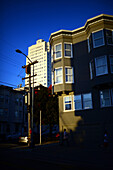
pixel 8 43
pixel 5 41
pixel 21 72
pixel 10 59
pixel 14 74
pixel 8 83
pixel 9 63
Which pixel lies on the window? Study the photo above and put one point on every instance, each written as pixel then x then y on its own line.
pixel 106 97
pixel 67 50
pixel 58 51
pixel 83 101
pixel 58 75
pixel 101 65
pixel 52 78
pixel 69 75
pixel 89 42
pixel 109 37
pixel 52 54
pixel 78 102
pixel 91 67
pixel 87 101
pixel 98 38
pixel 111 63
pixel 67 103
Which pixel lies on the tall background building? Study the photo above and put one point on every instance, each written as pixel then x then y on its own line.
pixel 40 52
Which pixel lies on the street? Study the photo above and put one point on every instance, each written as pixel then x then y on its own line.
pixel 17 157
pixel 53 157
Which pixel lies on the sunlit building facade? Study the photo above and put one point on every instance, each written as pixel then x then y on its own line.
pixel 82 77
pixel 42 70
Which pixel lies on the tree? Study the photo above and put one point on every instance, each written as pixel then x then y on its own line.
pixel 48 104
pixel 52 117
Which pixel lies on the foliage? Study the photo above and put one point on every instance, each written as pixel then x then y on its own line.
pixel 48 105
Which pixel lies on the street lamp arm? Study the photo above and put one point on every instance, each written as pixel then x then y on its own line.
pixel 18 51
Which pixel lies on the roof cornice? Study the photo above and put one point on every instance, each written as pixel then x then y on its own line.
pixel 83 28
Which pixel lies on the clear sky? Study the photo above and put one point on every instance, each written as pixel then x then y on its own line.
pixel 22 22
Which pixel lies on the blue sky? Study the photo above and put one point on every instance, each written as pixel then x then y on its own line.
pixel 25 21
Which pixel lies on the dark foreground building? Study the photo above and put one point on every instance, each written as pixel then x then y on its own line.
pixel 13 112
pixel 82 74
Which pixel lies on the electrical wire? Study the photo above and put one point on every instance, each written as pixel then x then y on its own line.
pixel 8 84
pixel 9 59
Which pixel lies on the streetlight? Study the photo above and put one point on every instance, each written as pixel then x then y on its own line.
pixel 18 51
pixel 32 63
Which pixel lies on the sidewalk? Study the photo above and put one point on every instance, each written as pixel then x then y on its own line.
pixel 86 158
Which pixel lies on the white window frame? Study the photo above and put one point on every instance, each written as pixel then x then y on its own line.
pixel 59 75
pixel 72 75
pixel 57 51
pixel 111 64
pixel 68 102
pixel 106 72
pixel 68 50
pixel 94 39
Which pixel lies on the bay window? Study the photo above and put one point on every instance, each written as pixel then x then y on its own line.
pixel 68 50
pixel 58 76
pixel 69 75
pixel 109 37
pixel 98 38
pixel 106 97
pixel 67 103
pixel 91 67
pixel 101 65
pixel 58 51
pixel 87 101
pixel 111 63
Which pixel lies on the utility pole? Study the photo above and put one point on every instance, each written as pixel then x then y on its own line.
pixel 28 71
pixel 30 110
pixel 30 102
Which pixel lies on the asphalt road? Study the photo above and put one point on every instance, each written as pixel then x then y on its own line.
pixel 15 157
pixel 53 157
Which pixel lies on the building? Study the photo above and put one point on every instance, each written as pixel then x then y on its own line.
pixel 40 52
pixel 82 76
pixel 13 112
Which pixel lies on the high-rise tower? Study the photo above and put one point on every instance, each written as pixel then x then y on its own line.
pixel 40 52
